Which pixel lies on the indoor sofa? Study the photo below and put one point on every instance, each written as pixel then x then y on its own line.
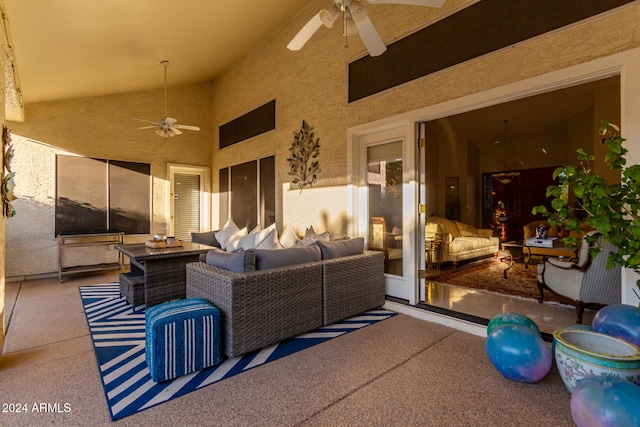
pixel 267 295
pixel 460 241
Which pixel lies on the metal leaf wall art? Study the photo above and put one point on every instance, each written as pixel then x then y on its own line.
pixel 303 152
pixel 7 184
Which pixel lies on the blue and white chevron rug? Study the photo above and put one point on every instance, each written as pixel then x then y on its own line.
pixel 118 337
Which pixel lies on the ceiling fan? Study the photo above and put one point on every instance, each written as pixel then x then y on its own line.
pixel 166 127
pixel 356 21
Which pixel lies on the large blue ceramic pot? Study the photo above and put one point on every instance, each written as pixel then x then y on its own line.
pixel 581 354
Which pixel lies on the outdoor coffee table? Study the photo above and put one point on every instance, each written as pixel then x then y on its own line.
pixel 526 257
pixel 164 269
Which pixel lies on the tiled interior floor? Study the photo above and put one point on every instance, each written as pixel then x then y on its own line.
pixel 548 316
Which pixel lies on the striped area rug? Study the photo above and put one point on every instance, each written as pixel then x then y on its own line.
pixel 118 337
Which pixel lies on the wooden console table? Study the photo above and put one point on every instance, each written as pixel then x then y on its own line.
pixel 66 241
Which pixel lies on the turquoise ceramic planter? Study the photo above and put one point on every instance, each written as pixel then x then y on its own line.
pixel 580 354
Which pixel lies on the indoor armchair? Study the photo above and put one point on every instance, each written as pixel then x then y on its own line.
pixel 585 282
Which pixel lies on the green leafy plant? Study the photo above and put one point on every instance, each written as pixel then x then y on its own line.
pixel 612 209
pixel 303 152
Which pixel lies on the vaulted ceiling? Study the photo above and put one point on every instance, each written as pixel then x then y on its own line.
pixel 76 48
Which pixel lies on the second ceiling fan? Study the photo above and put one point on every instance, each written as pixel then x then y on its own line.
pixel 166 127
pixel 356 21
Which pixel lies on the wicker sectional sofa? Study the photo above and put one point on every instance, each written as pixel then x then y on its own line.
pixel 265 306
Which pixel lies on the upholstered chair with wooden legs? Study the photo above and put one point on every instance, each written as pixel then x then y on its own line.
pixel 584 282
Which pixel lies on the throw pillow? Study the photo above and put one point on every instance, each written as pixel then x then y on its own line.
pixel 272 258
pixel 265 233
pixel 229 229
pixel 250 240
pixel 312 239
pixel 341 248
pixel 238 262
pixel 233 244
pixel 289 238
pixel 270 242
pixel 206 238
pixel 310 232
pixel 466 230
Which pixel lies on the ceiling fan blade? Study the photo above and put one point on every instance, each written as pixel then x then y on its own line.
pixel 305 33
pixel 368 33
pixel 324 17
pixel 426 3
pixel 168 133
pixel 169 120
pixel 187 127
pixel 370 37
pixel 149 127
pixel 146 121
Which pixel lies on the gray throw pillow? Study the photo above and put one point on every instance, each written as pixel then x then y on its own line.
pixel 206 238
pixel 272 258
pixel 340 248
pixel 310 240
pixel 238 262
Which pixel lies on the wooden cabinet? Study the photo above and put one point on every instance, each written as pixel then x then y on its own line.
pixel 519 196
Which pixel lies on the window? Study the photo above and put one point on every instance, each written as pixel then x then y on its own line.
pixel 94 195
pixel 247 193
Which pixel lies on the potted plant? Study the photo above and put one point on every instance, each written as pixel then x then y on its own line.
pixel 611 208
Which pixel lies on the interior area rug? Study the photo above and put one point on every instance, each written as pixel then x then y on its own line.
pixel 118 337
pixel 488 275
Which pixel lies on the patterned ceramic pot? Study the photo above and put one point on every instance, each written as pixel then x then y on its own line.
pixel 580 354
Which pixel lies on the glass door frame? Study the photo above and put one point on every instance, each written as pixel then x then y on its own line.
pixel 404 286
pixel 205 199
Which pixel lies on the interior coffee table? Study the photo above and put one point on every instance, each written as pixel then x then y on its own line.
pixel 164 269
pixel 526 252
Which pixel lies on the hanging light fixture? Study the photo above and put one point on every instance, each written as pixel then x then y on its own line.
pixel 506 176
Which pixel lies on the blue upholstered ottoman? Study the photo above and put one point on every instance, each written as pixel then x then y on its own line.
pixel 182 336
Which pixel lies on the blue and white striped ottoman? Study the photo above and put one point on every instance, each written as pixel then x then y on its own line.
pixel 181 337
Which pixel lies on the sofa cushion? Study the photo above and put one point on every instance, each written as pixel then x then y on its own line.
pixel 238 262
pixel 272 258
pixel 312 239
pixel 448 226
pixel 206 238
pixel 340 248
pixel 464 244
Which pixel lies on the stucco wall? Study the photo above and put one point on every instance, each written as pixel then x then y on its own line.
pixel 311 84
pixel 98 127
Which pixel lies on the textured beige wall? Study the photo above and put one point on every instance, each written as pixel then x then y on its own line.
pixel 96 127
pixel 311 84
pixel 3 64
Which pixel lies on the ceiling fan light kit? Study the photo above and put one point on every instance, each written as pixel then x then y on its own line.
pixel 356 21
pixel 166 127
